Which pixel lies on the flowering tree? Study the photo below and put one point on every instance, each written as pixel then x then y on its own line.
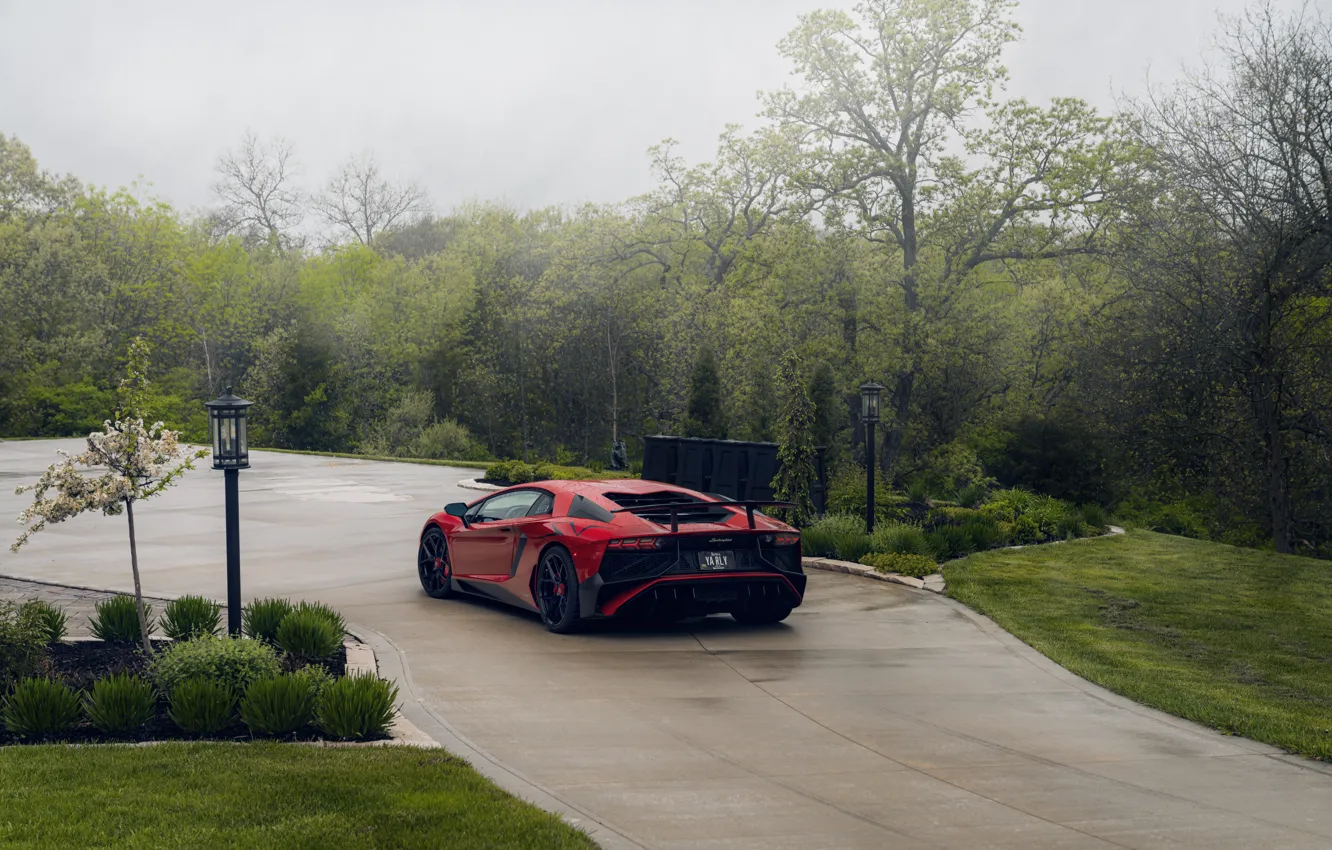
pixel 139 462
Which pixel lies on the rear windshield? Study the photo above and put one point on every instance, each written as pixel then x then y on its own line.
pixel 653 507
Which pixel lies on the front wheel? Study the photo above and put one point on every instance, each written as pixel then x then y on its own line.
pixel 764 616
pixel 557 591
pixel 432 564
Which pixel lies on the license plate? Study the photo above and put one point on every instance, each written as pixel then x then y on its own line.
pixel 716 561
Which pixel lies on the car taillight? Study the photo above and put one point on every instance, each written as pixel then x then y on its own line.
pixel 635 543
pixel 787 540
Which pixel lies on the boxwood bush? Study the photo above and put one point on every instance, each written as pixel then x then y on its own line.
pixel 917 566
pixel 233 662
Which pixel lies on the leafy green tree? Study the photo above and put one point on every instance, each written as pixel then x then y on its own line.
pixel 828 409
pixel 886 95
pixel 705 415
pixel 796 456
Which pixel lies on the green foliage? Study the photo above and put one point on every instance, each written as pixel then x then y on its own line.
pixel 53 620
pixel 202 706
pixel 1182 517
pixel 1060 456
pixel 840 536
pixel 828 410
pixel 117 619
pixel 41 707
pixel 307 636
pixel 23 639
pixel 949 469
pixel 357 708
pixel 324 612
pixel 317 677
pixel 846 493
pixel 916 566
pixel 1095 517
pixel 919 491
pixel 900 539
pixel 410 429
pixel 232 662
pixel 120 704
pixel 949 541
pixel 516 472
pixel 972 495
pixel 190 617
pixel 278 706
pixel 795 456
pixel 261 618
pixel 705 417
pixel 983 532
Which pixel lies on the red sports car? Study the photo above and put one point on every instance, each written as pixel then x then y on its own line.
pixel 578 550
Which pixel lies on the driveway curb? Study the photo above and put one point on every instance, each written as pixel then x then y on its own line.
pixel 393 664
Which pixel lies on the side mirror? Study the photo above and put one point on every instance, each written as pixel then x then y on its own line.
pixel 458 509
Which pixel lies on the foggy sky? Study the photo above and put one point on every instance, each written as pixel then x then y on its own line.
pixel 532 102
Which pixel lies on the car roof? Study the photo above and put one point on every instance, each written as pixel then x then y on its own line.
pixel 617 485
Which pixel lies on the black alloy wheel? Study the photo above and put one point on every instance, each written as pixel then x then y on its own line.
pixel 432 564
pixel 557 591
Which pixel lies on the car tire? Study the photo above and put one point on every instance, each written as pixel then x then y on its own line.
pixel 433 566
pixel 763 616
pixel 556 591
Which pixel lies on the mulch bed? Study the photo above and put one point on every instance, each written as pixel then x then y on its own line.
pixel 81 663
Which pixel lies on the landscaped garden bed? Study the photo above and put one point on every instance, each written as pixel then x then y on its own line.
pixel 913 534
pixel 285 679
pixel 508 472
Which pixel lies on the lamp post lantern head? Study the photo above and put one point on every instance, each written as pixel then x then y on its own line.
pixel 870 393
pixel 231 446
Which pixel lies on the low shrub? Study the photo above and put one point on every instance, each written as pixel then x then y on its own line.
pixel 983 532
pixel 202 706
pixel 190 617
pixel 899 538
pixel 918 491
pixel 1007 505
pixel 53 621
pixel 1095 517
pixel 278 706
pixel 836 536
pixel 120 704
pixel 232 662
pixel 917 566
pixel 117 620
pixel 1023 531
pixel 357 707
pixel 39 707
pixel 953 515
pixel 948 541
pixel 331 616
pixel 318 678
pixel 308 636
pixel 517 472
pixel 972 495
pixel 23 640
pixel 446 440
pixel 261 618
pixel 1052 516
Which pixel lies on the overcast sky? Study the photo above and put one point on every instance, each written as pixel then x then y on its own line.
pixel 532 102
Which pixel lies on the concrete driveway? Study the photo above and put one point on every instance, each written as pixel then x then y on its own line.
pixel 876 717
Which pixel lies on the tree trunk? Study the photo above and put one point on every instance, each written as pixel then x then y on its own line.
pixel 138 590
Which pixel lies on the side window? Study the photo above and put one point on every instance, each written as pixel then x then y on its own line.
pixel 544 504
pixel 511 505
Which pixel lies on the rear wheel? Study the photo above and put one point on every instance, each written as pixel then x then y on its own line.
pixel 432 564
pixel 557 591
pixel 762 616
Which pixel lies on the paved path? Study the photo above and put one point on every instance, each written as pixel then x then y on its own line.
pixel 878 716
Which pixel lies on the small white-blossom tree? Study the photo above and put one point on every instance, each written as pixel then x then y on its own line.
pixel 138 462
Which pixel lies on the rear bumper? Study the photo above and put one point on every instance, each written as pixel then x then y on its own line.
pixel 696 595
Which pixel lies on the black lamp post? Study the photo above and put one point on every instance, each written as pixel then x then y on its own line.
pixel 869 414
pixel 231 454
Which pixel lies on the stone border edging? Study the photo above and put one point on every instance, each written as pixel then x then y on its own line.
pixel 478 484
pixel 934 582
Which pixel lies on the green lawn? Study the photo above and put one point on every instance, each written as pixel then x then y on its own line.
pixel 1236 639
pixel 261 795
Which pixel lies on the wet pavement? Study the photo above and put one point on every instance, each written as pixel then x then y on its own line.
pixel 876 716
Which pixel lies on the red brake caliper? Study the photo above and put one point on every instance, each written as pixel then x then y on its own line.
pixel 559 589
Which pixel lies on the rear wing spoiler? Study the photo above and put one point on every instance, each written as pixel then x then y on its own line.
pixel 676 507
